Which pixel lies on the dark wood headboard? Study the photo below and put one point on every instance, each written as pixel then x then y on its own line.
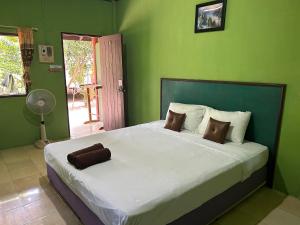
pixel 264 101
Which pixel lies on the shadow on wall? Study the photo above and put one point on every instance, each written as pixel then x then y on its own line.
pixel 35 119
pixel 31 117
pixel 125 80
pixel 279 182
pixel 137 15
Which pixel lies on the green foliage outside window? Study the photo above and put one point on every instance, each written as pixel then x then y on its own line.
pixel 11 70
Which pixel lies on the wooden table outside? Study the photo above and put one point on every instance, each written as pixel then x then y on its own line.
pixel 87 88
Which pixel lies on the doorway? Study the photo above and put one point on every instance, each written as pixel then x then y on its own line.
pixel 82 84
pixel 94 83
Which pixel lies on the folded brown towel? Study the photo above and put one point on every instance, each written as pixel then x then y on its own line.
pixel 71 156
pixel 85 160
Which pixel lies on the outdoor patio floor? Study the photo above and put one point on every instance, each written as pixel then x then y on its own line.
pixel 78 115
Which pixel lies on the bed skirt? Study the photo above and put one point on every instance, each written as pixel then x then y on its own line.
pixel 203 215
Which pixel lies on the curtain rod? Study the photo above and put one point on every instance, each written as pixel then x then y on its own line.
pixel 15 27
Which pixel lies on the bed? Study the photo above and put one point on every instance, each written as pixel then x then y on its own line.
pixel 167 177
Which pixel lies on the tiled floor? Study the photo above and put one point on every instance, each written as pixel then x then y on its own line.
pixel 86 129
pixel 26 197
pixel 78 115
pixel 288 213
pixel 265 207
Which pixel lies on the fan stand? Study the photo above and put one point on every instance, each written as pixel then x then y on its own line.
pixel 40 144
pixel 43 141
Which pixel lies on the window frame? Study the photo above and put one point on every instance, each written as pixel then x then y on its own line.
pixel 26 88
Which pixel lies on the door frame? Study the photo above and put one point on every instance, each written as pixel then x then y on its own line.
pixel 64 69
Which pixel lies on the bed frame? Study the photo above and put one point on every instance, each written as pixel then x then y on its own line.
pixel 265 101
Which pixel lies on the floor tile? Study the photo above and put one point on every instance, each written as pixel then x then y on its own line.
pixel 20 216
pixel 14 155
pixel 6 189
pixel 39 208
pixel 4 176
pixel 291 205
pixel 17 216
pixel 37 156
pixel 236 217
pixel 262 223
pixel 6 218
pixel 281 217
pixel 10 201
pixel 31 196
pixel 22 172
pixel 42 169
pixel 26 183
pixel 261 203
pixel 2 165
pixel 61 218
pixel 19 165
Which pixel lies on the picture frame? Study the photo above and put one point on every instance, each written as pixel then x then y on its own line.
pixel 46 54
pixel 210 16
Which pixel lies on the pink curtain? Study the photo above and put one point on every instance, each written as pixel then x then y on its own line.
pixel 27 49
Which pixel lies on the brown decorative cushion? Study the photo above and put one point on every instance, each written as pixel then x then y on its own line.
pixel 216 131
pixel 175 121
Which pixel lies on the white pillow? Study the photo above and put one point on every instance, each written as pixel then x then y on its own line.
pixel 238 123
pixel 194 114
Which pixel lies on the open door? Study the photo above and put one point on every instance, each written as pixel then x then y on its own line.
pixel 82 83
pixel 112 81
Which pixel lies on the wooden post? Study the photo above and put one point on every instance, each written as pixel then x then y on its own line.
pixel 94 80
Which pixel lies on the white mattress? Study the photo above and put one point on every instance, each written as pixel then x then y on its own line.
pixel 155 174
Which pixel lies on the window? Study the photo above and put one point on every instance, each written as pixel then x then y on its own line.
pixel 11 69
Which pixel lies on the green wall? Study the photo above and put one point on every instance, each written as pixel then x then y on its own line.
pixel 17 125
pixel 260 44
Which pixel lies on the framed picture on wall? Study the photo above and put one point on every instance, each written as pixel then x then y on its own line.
pixel 210 16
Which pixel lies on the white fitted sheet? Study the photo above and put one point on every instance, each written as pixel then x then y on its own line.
pixel 155 175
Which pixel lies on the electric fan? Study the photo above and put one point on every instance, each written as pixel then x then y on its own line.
pixel 41 102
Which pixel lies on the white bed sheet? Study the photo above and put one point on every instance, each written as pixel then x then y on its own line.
pixel 155 175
